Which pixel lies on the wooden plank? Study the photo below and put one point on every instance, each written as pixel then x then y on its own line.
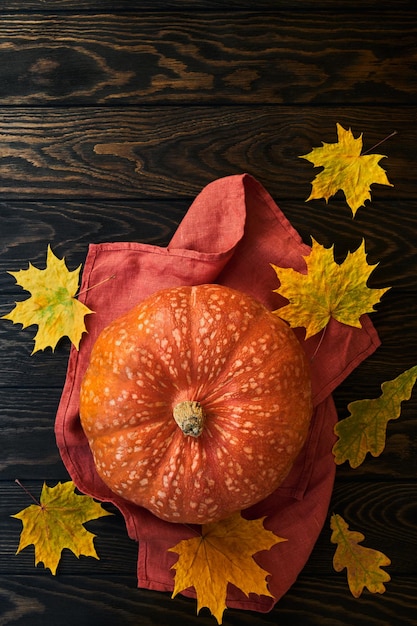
pixel 143 58
pixel 27 416
pixel 394 321
pixel 29 448
pixel 122 6
pixel 107 600
pixel 19 368
pixel 27 434
pixel 167 152
pixel 383 512
pixel 314 600
pixel 69 227
pixel 395 324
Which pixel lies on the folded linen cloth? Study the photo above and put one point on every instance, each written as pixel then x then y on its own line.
pixel 230 235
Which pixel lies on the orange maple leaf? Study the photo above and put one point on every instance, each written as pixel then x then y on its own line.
pixel 52 305
pixel 327 290
pixel 222 554
pixel 345 168
pixel 363 564
pixel 57 523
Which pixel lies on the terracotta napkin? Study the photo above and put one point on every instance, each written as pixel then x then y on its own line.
pixel 230 235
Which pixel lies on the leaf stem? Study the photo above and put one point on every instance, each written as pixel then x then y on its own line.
pixel 28 492
pixel 319 344
pixel 379 142
pixel 96 285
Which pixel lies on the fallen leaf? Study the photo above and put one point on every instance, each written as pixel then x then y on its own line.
pixel 365 429
pixel 363 564
pixel 345 168
pixel 327 290
pixel 52 305
pixel 222 554
pixel 57 523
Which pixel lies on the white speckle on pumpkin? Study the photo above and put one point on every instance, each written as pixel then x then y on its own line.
pixel 177 337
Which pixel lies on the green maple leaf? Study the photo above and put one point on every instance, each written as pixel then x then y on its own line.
pixel 327 290
pixel 52 305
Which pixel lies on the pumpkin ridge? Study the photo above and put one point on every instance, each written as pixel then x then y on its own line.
pixel 203 395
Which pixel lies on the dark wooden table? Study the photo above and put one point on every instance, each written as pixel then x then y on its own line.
pixel 113 116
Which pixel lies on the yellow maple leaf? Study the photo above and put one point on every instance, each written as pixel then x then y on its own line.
pixel 363 564
pixel 57 523
pixel 328 289
pixel 345 168
pixel 222 554
pixel 365 428
pixel 52 305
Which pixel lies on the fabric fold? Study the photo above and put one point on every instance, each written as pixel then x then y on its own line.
pixel 230 235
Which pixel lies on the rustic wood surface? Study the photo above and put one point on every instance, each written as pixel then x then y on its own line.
pixel 113 116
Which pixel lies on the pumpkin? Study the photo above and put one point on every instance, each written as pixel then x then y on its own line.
pixel 196 403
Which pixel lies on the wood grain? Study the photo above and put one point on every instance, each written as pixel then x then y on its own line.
pixel 27 416
pixel 36 600
pixel 383 512
pixel 28 227
pixel 69 227
pixel 164 58
pixel 172 152
pixel 122 6
pixel 395 318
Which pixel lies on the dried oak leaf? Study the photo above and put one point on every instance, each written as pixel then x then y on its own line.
pixel 345 168
pixel 223 553
pixel 363 564
pixel 52 305
pixel 57 523
pixel 365 428
pixel 327 290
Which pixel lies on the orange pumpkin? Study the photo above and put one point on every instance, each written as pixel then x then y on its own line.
pixel 196 403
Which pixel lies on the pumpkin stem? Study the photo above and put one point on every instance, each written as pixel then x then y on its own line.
pixel 190 417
